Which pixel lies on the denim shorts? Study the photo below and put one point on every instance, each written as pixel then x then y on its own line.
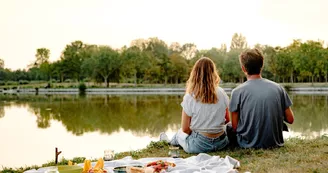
pixel 198 143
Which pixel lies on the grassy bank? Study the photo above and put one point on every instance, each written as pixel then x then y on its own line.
pixel 296 156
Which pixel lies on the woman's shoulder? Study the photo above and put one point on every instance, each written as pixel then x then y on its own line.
pixel 187 96
pixel 221 90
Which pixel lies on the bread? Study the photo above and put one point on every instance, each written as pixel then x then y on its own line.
pixel 134 170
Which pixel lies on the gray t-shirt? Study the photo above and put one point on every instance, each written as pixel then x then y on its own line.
pixel 208 118
pixel 261 105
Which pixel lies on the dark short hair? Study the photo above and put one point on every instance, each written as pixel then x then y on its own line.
pixel 252 60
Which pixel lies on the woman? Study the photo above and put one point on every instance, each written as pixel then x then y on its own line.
pixel 205 111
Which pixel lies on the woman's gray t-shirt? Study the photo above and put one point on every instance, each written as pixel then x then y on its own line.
pixel 208 118
pixel 261 105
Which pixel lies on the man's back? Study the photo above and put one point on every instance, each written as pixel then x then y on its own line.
pixel 261 104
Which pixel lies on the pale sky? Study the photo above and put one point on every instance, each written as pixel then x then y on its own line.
pixel 26 25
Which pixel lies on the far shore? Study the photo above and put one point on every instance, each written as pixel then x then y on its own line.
pixel 298 88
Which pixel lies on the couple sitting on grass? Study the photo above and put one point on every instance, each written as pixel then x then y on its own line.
pixel 258 109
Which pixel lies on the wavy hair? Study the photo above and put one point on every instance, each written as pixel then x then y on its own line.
pixel 203 81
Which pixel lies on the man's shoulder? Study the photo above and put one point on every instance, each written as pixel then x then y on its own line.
pixel 270 82
pixel 273 84
pixel 239 87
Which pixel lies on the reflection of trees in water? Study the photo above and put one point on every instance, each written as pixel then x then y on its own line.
pixel 143 115
pixel 139 114
pixel 2 110
pixel 311 113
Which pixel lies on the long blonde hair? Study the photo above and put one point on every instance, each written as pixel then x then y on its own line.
pixel 203 81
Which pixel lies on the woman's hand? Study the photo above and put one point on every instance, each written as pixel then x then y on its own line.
pixel 185 123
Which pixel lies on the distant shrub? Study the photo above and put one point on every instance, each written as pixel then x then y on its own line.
pixel 48 85
pixel 82 87
pixel 68 80
pixel 23 82
pixel 2 83
pixel 287 87
pixel 87 80
pixel 11 83
pixel 53 81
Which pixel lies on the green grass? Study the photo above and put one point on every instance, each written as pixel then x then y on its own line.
pixel 298 155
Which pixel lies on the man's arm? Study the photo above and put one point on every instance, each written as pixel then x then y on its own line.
pixel 227 116
pixel 185 123
pixel 234 120
pixel 289 115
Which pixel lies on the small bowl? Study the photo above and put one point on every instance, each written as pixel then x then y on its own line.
pixel 121 169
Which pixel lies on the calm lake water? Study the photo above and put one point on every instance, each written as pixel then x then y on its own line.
pixel 32 126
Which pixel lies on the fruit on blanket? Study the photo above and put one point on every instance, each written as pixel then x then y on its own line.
pixel 99 164
pixel 99 167
pixel 87 166
pixel 97 170
pixel 159 165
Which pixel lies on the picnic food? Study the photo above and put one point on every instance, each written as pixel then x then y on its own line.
pixel 99 167
pixel 160 165
pixel 131 169
pixel 87 166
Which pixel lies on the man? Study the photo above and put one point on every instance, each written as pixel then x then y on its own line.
pixel 258 106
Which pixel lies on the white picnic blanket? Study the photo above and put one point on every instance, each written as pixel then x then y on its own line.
pixel 202 163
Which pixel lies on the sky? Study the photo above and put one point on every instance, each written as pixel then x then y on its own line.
pixel 26 25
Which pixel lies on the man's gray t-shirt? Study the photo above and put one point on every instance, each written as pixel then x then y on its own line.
pixel 261 106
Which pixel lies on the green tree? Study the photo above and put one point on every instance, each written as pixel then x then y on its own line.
pixel 231 67
pixel 158 50
pixel 107 63
pixel 238 42
pixel 135 62
pixel 179 68
pixel 189 51
pixel 72 58
pixel 2 64
pixel 175 47
pixel 42 56
pixel 284 62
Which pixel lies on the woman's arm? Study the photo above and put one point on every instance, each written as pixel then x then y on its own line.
pixel 185 123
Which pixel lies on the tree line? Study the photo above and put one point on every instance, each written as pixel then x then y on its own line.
pixel 153 61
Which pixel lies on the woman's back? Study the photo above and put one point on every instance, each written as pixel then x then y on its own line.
pixel 206 118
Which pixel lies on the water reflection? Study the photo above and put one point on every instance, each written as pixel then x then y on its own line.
pixel 143 115
pixel 2 111
pixel 87 125
pixel 310 114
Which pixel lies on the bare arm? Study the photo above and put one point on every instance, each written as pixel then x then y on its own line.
pixel 234 120
pixel 227 116
pixel 185 123
pixel 289 115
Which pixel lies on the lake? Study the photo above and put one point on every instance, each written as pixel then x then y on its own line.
pixel 31 126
